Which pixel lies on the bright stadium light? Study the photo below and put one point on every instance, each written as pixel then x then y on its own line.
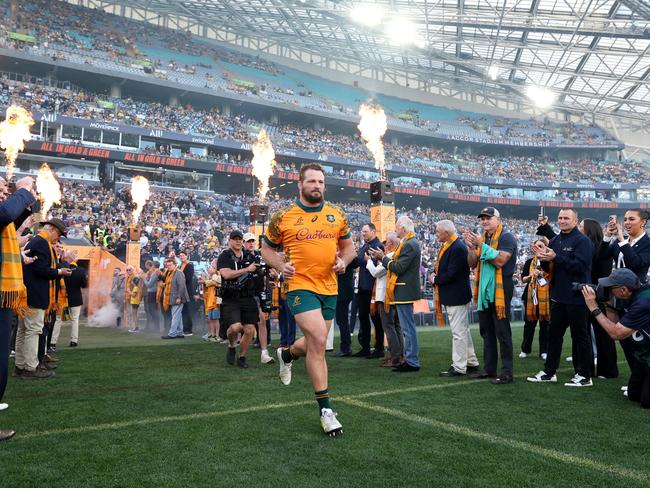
pixel 493 72
pixel 367 14
pixel 541 96
pixel 402 32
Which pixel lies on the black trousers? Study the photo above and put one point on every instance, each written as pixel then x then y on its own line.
pixel 574 317
pixel 6 319
pixel 606 352
pixel 494 330
pixel 365 297
pixel 46 336
pixel 638 388
pixel 354 312
pixel 529 335
pixel 343 323
pixel 187 316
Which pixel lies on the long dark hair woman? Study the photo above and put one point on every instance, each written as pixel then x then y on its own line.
pixel 601 266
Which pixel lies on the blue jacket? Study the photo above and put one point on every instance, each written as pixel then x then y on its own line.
pixel 38 275
pixel 366 280
pixel 452 279
pixel 572 263
pixel 14 208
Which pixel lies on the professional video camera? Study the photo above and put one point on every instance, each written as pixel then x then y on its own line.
pixel 602 293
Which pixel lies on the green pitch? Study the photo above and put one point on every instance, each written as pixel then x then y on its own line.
pixel 135 411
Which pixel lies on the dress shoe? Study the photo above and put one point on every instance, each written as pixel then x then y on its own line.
pixel 73 344
pixel 450 373
pixel 483 375
pixel 375 354
pixel 241 362
pixel 17 371
pixel 51 359
pixel 37 374
pixel 406 368
pixel 343 354
pixel 502 379
pixel 361 354
pixel 5 435
pixel 472 369
pixel 47 366
pixel 168 337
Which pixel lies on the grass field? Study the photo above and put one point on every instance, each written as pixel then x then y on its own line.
pixel 136 411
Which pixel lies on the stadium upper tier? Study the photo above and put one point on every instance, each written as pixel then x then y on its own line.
pixel 49 29
pixel 406 160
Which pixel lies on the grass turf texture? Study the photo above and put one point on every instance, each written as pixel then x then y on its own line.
pixel 132 410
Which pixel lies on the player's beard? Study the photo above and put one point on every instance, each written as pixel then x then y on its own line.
pixel 311 198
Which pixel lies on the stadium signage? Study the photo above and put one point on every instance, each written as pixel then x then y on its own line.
pixel 99 125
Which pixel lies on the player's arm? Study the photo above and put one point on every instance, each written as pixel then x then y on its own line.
pixel 346 251
pixel 272 257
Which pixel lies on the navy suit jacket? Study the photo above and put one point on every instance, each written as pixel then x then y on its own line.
pixel 366 280
pixel 452 279
pixel 38 275
pixel 74 283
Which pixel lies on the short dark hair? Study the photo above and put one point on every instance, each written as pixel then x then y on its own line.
pixel 371 226
pixel 309 166
pixel 570 209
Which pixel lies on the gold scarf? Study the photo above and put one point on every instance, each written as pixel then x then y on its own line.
pixel 13 293
pixel 52 305
pixel 543 308
pixel 499 295
pixel 391 278
pixel 436 289
pixel 168 289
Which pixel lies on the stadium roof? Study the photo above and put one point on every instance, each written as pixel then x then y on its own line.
pixel 593 54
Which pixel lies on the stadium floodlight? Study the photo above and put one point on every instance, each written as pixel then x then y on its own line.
pixel 402 32
pixel 493 72
pixel 367 14
pixel 541 96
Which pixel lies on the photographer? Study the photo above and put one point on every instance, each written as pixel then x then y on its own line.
pixel 239 310
pixel 262 297
pixel 632 321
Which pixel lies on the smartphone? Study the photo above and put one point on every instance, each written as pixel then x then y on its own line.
pixel 612 218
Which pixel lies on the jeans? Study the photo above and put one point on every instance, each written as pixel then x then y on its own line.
pixel 151 310
pixel 343 323
pixel 176 328
pixel 407 322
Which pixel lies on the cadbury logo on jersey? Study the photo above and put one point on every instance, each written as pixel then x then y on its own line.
pixel 306 235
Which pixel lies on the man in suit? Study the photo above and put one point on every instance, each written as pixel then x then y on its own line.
pixel 451 282
pixel 403 288
pixel 14 209
pixel 366 285
pixel 175 299
pixel 40 280
pixel 73 286
pixel 187 268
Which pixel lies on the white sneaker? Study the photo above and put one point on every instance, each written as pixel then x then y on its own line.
pixel 579 381
pixel 542 377
pixel 543 356
pixel 12 354
pixel 205 337
pixel 523 355
pixel 331 426
pixel 265 358
pixel 624 388
pixel 285 369
pixel 4 406
pixel 569 359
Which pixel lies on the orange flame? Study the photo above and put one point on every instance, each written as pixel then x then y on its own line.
pixel 139 194
pixel 373 126
pixel 48 189
pixel 263 162
pixel 14 131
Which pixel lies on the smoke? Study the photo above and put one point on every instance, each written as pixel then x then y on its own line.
pixel 14 131
pixel 48 189
pixel 139 194
pixel 263 162
pixel 105 316
pixel 373 126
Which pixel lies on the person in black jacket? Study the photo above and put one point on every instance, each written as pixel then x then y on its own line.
pixel 571 253
pixel 631 252
pixel 14 210
pixel 73 285
pixel 39 278
pixel 366 284
pixel 452 282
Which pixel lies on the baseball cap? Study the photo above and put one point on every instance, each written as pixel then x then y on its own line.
pixel 249 236
pixel 236 234
pixel 489 212
pixel 621 277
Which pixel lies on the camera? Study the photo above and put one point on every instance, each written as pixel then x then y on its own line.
pixel 602 293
